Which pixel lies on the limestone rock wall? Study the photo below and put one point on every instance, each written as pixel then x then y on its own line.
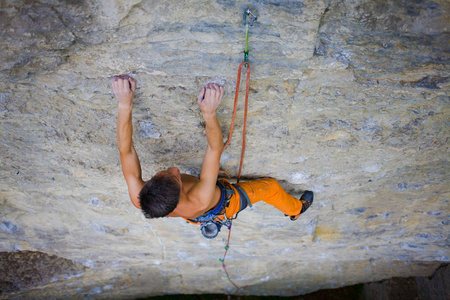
pixel 348 98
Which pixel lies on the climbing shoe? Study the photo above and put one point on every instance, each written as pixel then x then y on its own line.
pixel 307 199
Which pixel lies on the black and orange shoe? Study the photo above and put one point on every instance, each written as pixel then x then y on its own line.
pixel 307 199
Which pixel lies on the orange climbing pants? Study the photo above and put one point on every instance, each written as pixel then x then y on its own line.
pixel 267 190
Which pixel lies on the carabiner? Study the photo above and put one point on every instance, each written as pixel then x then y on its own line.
pixel 252 17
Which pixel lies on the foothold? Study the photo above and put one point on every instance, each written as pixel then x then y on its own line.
pixel 356 211
pixel 401 186
pixel 385 215
pixel 9 227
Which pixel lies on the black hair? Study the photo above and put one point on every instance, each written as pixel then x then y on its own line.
pixel 159 196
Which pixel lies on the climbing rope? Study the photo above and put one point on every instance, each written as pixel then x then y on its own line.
pixel 230 223
pixel 249 18
pixel 247 88
pixel 223 260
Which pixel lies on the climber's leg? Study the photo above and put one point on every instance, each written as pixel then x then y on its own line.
pixel 271 192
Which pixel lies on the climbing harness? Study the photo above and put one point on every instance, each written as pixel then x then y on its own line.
pixel 212 221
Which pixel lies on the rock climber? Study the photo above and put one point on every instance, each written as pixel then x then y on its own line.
pixel 203 200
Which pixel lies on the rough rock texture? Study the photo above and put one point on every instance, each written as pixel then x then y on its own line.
pixel 348 98
pixel 24 269
pixel 435 287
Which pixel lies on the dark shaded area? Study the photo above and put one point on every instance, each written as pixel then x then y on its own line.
pixel 394 288
pixel 436 287
pixel 25 269
pixel 350 292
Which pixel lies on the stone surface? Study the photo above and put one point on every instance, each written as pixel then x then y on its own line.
pixel 432 287
pixel 437 286
pixel 22 269
pixel 349 99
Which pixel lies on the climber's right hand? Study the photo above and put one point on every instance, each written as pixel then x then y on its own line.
pixel 124 88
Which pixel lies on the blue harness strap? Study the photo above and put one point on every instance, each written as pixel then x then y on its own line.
pixel 209 226
pixel 223 203
pixel 219 209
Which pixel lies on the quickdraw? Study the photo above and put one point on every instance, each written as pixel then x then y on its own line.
pixel 249 19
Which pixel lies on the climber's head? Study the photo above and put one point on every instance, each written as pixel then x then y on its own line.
pixel 161 194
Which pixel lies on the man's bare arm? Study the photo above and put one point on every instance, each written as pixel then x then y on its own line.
pixel 208 101
pixel 124 90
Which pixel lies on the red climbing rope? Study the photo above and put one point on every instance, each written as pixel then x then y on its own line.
pixel 245 114
pixel 242 153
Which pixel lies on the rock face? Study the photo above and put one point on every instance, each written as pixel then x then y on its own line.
pixel 349 99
